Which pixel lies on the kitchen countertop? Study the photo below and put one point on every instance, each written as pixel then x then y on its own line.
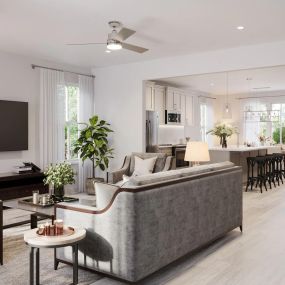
pixel 171 145
pixel 242 148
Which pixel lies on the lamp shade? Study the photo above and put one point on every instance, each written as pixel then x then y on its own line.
pixel 197 151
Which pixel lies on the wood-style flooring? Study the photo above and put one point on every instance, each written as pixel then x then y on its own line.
pixel 255 257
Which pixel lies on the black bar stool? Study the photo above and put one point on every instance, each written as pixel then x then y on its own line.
pixel 251 178
pixel 261 172
pixel 270 161
pixel 278 161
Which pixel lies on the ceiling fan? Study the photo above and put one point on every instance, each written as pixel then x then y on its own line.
pixel 116 39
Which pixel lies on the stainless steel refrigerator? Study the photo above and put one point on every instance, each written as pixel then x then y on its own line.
pixel 152 124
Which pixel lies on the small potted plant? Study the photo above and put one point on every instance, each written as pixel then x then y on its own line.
pixel 93 144
pixel 59 175
pixel 263 139
pixel 223 131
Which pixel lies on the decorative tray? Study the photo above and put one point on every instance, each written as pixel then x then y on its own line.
pixel 67 231
pixel 29 201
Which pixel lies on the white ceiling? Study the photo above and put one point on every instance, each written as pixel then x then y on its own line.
pixel 248 81
pixel 40 28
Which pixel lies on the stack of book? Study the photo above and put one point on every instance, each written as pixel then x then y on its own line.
pixel 23 169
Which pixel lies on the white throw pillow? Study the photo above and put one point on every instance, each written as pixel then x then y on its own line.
pixel 104 194
pixel 144 166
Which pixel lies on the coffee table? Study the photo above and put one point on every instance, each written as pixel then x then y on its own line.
pixel 36 242
pixel 37 211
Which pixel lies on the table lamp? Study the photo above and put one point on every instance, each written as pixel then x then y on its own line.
pixel 197 152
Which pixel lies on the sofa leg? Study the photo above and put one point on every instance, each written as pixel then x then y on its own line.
pixel 240 227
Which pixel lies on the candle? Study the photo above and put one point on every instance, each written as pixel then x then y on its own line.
pixel 58 227
pixel 36 197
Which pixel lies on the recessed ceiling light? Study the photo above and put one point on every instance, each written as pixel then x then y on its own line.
pixel 107 51
pixel 240 28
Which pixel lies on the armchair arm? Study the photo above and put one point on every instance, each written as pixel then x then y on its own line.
pixel 169 163
pixel 117 175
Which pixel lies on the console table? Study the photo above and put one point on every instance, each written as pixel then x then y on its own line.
pixel 13 186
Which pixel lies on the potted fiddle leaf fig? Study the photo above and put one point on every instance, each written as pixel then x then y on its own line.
pixel 93 144
pixel 59 175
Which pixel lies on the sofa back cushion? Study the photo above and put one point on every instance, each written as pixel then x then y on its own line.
pixel 205 168
pixel 176 174
pixel 159 164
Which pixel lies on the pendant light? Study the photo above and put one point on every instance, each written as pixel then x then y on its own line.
pixel 227 112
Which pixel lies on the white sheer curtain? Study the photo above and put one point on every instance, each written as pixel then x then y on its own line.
pixel 86 110
pixel 51 117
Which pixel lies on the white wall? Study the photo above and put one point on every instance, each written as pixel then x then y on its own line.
pixel 118 89
pixel 19 82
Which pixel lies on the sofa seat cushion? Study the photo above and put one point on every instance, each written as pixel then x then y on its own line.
pixel 159 163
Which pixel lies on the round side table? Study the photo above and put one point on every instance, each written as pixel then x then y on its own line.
pixel 36 242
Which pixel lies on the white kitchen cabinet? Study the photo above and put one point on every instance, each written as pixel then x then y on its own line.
pixel 149 97
pixel 169 99
pixel 173 99
pixel 177 100
pixel 159 103
pixel 188 110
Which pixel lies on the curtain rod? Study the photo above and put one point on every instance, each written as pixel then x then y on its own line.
pixel 45 67
pixel 259 97
pixel 214 98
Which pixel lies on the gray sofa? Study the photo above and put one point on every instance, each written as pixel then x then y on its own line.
pixel 156 219
pixel 163 163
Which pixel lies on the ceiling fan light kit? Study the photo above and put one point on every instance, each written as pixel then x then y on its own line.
pixel 114 45
pixel 116 39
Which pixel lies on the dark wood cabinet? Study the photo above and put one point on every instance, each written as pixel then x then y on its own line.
pixel 14 185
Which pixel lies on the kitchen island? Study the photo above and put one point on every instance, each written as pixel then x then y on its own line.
pixel 238 154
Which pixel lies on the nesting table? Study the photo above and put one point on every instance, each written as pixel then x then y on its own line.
pixel 36 242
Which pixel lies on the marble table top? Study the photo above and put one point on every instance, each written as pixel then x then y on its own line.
pixel 34 240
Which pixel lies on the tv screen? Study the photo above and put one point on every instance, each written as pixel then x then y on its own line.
pixel 13 125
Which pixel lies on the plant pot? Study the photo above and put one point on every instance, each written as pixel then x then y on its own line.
pixel 90 187
pixel 59 192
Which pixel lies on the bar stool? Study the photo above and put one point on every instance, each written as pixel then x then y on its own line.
pixel 270 161
pixel 278 159
pixel 261 172
pixel 251 178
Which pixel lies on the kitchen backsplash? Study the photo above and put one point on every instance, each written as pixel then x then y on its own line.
pixel 171 135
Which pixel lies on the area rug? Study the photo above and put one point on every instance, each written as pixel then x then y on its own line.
pixel 15 270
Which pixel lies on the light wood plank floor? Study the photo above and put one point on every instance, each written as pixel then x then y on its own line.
pixel 256 257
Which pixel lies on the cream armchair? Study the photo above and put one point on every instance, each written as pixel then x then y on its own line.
pixel 163 163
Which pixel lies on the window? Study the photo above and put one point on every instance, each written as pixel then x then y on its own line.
pixel 206 122
pixel 264 118
pixel 203 121
pixel 71 120
pixel 252 125
pixel 278 125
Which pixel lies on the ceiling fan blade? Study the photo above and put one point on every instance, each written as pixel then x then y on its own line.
pixel 134 48
pixel 123 34
pixel 85 44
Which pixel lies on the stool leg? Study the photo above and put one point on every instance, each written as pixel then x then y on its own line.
pixel 31 266
pixel 75 263
pixel 37 266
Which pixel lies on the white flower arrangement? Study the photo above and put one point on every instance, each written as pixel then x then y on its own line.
pixel 59 175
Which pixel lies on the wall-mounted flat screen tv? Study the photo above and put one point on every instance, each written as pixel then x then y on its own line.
pixel 13 125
